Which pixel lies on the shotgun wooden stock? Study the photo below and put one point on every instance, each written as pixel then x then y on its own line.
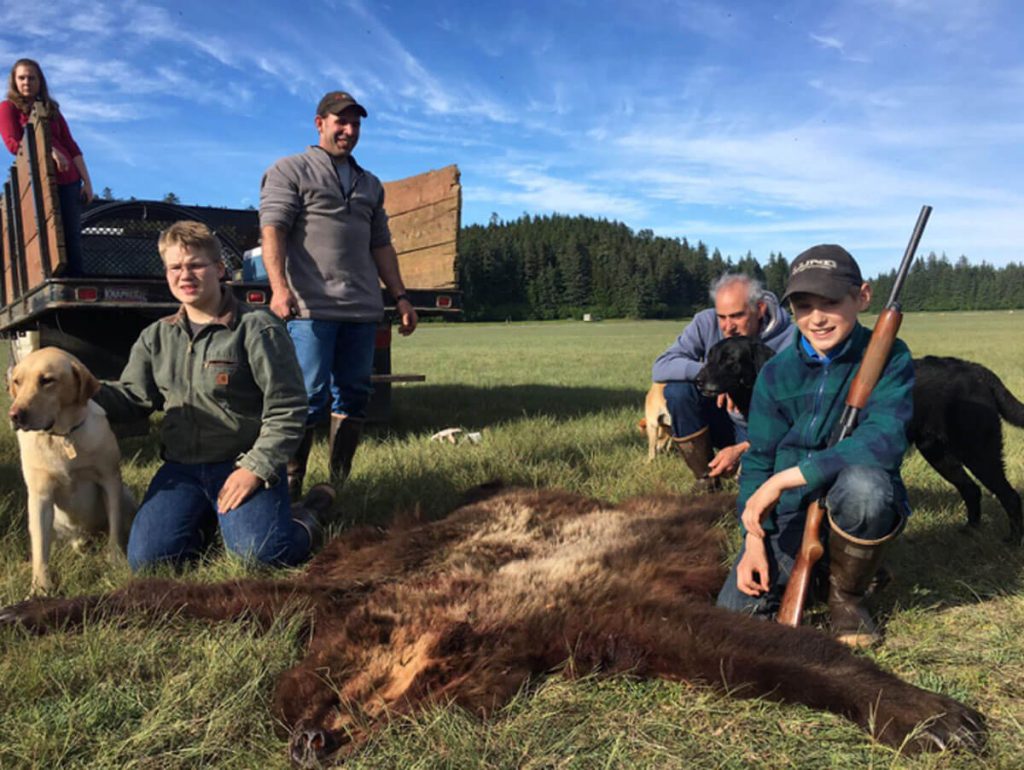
pixel 795 598
pixel 875 358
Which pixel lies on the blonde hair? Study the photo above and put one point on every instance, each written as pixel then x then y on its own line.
pixel 194 236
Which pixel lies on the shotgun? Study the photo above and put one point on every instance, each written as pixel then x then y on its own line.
pixel 875 358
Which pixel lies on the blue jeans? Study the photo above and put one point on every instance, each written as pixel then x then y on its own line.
pixel 70 196
pixel 180 507
pixel 336 358
pixel 866 503
pixel 690 411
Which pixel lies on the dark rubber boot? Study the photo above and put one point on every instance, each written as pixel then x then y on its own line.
pixel 853 570
pixel 297 465
pixel 697 451
pixel 314 513
pixel 344 438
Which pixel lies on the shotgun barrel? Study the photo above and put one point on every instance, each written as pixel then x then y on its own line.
pixel 908 257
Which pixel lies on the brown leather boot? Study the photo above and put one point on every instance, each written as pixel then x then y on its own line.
pixel 314 513
pixel 697 451
pixel 344 438
pixel 296 466
pixel 853 569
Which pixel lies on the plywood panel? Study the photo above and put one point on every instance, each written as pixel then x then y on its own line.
pixel 424 216
pixel 435 223
pixel 430 268
pixel 417 191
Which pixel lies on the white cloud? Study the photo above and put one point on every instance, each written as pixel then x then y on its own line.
pixel 827 42
pixel 536 189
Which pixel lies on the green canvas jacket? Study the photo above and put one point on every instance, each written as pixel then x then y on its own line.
pixel 233 392
pixel 796 404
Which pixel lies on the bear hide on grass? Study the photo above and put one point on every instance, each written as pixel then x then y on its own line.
pixel 516 584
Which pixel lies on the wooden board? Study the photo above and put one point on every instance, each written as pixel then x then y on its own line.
pixel 7 253
pixel 30 224
pixel 424 216
pixel 417 191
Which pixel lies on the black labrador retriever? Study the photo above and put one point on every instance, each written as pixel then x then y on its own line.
pixel 731 368
pixel 956 423
pixel 958 408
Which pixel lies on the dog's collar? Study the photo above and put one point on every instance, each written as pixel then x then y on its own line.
pixel 73 429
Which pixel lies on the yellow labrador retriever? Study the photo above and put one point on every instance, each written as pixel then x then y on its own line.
pixel 657 423
pixel 69 458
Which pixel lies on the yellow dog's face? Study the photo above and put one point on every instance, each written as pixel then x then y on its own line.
pixel 44 384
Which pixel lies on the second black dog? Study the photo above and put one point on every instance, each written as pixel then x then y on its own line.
pixel 958 411
pixel 956 423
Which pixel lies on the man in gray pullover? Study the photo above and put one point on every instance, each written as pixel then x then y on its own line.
pixel 326 248
pixel 699 424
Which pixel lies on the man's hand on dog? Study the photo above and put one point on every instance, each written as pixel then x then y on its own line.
pixel 727 460
pixel 237 488
pixel 725 400
pixel 752 571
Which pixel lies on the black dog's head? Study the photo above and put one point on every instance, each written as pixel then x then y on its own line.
pixel 731 368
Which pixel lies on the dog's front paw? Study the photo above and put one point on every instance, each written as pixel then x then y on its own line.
pixel 115 555
pixel 41 588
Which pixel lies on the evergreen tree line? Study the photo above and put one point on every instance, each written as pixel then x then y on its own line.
pixel 555 266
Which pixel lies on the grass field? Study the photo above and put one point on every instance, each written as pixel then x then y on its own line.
pixel 557 405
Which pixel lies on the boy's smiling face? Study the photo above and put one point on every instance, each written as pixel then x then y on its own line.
pixel 826 323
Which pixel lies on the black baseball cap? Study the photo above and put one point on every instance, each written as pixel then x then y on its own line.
pixel 827 270
pixel 336 102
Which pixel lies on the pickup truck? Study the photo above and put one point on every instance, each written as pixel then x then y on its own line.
pixel 98 316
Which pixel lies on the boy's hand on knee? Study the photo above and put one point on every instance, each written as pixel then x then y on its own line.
pixel 767 495
pixel 237 489
pixel 757 507
pixel 752 571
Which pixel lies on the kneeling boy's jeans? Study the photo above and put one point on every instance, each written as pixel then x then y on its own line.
pixel 866 503
pixel 181 505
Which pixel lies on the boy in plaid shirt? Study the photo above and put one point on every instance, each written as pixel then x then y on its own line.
pixel 798 398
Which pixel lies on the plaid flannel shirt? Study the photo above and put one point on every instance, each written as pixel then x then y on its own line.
pixel 798 400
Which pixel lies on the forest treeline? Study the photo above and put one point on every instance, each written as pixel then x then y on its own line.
pixel 554 266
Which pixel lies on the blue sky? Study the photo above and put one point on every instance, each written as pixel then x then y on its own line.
pixel 760 126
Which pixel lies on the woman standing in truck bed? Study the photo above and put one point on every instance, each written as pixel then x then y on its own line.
pixel 25 87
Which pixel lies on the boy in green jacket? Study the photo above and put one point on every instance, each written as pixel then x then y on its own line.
pixel 227 379
pixel 798 398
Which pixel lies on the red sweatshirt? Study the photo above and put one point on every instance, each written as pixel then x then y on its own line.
pixel 12 128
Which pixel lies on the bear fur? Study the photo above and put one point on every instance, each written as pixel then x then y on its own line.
pixel 516 584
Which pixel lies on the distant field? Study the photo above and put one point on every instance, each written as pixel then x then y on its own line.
pixel 557 405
